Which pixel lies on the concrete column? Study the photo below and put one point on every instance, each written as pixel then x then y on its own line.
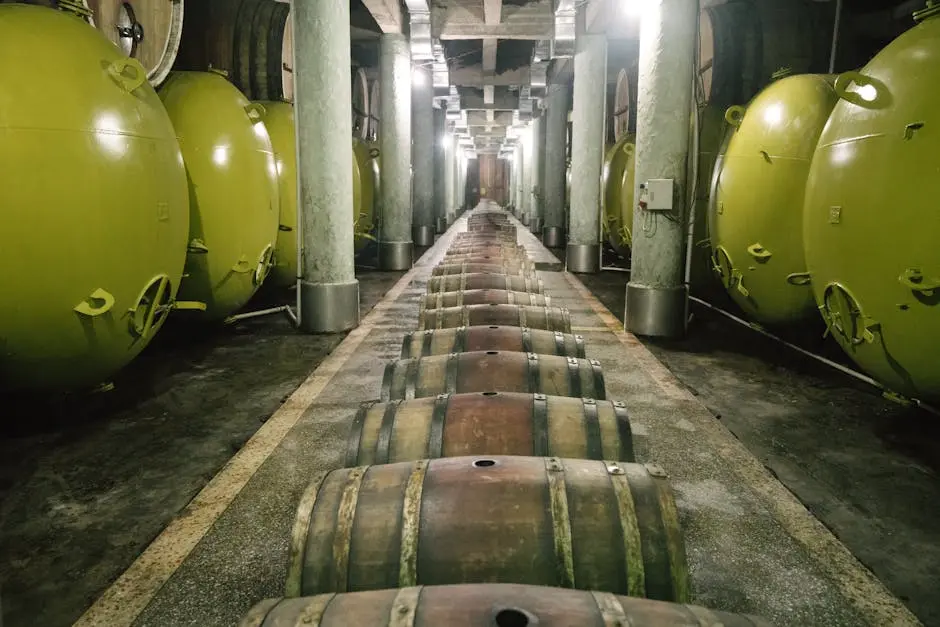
pixel 511 197
pixel 395 245
pixel 520 177
pixel 556 165
pixel 450 181
pixel 422 156
pixel 461 179
pixel 328 293
pixel 440 170
pixel 538 171
pixel 587 151
pixel 657 298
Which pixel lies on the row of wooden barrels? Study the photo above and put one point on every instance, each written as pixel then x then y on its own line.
pixel 493 483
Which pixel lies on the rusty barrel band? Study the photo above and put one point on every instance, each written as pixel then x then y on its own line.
pixel 560 344
pixel 410 522
pixel 592 429
pixel 342 533
pixel 411 378
pixel 387 379
pixel 611 610
pixel 675 547
pixel 426 342
pixel 450 373
pixel 579 346
pixel 526 340
pixel 561 523
pixel 313 611
pixel 533 376
pixel 406 345
pixel 384 441
pixel 523 322
pixel 259 613
pixel 574 377
pixel 510 299
pixel 600 392
pixel 298 543
pixel 355 434
pixel 436 429
pixel 622 418
pixel 463 282
pixel 636 573
pixel 464 316
pixel 460 340
pixel 540 440
pixel 405 607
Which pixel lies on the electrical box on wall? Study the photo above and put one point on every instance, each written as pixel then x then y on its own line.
pixel 659 194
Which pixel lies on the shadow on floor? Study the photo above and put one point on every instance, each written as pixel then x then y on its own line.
pixel 866 467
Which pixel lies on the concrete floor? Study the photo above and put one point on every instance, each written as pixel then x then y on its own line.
pixel 87 481
pixel 865 466
pixel 80 503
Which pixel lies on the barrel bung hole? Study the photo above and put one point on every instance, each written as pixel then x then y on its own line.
pixel 512 617
pixel 490 393
pixel 492 352
pixel 484 463
pixel 494 327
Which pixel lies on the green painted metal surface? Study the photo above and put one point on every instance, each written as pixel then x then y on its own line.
pixel 94 209
pixel 756 210
pixel 871 222
pixel 279 121
pixel 367 160
pixel 233 190
pixel 617 200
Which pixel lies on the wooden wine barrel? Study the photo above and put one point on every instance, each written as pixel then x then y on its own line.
pixel 546 318
pixel 491 338
pixel 147 30
pixel 494 423
pixel 487 249
pixel 440 300
pixel 743 45
pixel 475 268
pixel 493 371
pixel 484 281
pixel 491 228
pixel 486 605
pixel 478 258
pixel 572 523
pixel 483 239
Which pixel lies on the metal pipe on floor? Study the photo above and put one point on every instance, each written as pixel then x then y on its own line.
pixel 285 309
pixel 328 292
pixel 395 243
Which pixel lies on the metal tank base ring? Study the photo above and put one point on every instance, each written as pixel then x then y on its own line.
pixel 329 307
pixel 423 235
pixel 657 311
pixel 584 258
pixel 553 236
pixel 395 255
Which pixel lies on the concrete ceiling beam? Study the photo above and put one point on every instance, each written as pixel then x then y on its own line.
pixel 386 13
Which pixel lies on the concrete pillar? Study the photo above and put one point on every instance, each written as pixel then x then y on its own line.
pixel 587 151
pixel 422 156
pixel 328 293
pixel 556 165
pixel 461 179
pixel 538 172
pixel 395 244
pixel 520 179
pixel 450 181
pixel 440 170
pixel 657 298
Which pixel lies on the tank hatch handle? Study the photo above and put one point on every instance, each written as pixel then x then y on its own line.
pixel 197 247
pixel 838 317
pixel 243 266
pixel 255 112
pixel 914 279
pixel 95 304
pixel 128 73
pixel 799 278
pixel 759 253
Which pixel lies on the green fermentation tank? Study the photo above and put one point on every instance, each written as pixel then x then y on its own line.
pixel 233 189
pixel 871 221
pixel 367 162
pixel 94 211
pixel 279 120
pixel 756 208
pixel 617 183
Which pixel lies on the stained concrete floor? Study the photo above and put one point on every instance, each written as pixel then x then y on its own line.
pixel 865 466
pixel 87 481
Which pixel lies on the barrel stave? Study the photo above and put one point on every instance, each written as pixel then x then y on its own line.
pixel 476 268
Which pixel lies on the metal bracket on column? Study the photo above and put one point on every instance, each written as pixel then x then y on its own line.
pixel 563 39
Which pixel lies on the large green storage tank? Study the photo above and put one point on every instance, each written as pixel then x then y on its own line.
pixel 871 219
pixel 756 208
pixel 617 183
pixel 368 164
pixel 279 120
pixel 233 189
pixel 94 208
